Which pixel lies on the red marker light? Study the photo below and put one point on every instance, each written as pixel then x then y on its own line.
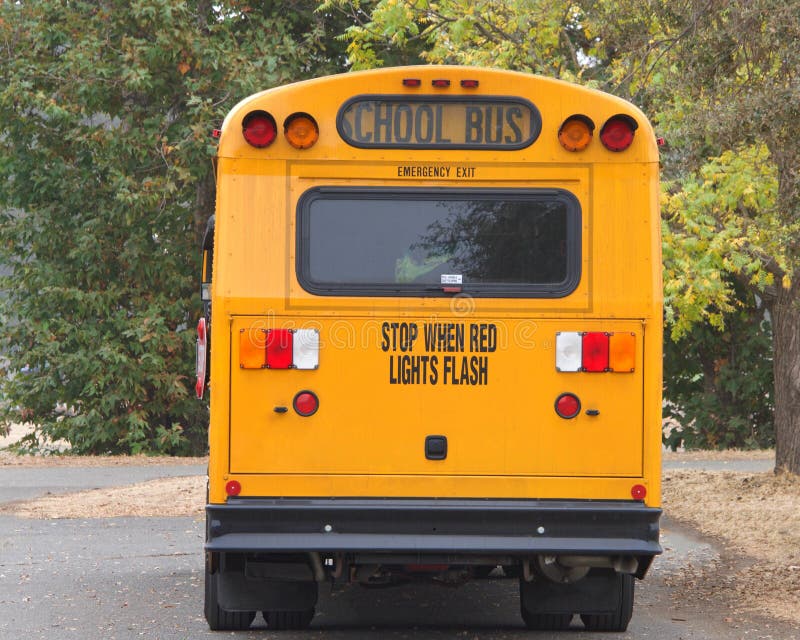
pixel 233 488
pixel 306 403
pixel 259 129
pixel 412 82
pixel 441 83
pixel 568 406
pixel 638 492
pixel 469 84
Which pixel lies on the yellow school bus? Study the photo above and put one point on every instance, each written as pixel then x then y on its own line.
pixel 433 335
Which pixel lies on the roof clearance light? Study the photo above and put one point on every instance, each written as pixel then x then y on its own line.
pixel 279 348
pixel 617 133
pixel 622 352
pixel 595 351
pixel 576 132
pixel 412 82
pixel 259 129
pixel 305 354
pixel 441 83
pixel 301 130
pixel 469 84
pixel 568 351
pixel 568 406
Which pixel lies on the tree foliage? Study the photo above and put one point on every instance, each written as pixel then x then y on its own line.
pixel 720 80
pixel 548 38
pixel 106 161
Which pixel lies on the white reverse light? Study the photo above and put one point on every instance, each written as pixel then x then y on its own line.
pixel 569 351
pixel 305 354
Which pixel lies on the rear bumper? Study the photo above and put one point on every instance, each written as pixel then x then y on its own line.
pixel 426 527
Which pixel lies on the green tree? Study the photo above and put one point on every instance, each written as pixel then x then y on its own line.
pixel 106 161
pixel 725 77
pixel 720 78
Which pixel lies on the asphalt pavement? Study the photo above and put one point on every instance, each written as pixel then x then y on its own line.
pixel 126 578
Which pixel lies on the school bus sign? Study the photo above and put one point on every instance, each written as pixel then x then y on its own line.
pixel 439 122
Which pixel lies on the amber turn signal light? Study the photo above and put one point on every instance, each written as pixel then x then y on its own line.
pixel 576 132
pixel 301 130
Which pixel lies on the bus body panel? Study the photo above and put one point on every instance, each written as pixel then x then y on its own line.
pixel 361 489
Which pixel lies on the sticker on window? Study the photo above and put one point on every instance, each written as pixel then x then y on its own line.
pixel 451 278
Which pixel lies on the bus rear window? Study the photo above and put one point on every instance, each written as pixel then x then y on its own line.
pixel 490 243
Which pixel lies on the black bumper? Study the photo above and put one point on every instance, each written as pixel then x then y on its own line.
pixel 433 527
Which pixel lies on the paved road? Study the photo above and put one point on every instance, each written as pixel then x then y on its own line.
pixel 126 578
pixel 24 483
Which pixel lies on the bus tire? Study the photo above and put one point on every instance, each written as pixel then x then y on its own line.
pixel 218 618
pixel 546 621
pixel 278 620
pixel 617 621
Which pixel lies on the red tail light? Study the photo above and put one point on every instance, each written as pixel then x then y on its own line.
pixel 617 133
pixel 279 348
pixel 595 352
pixel 259 129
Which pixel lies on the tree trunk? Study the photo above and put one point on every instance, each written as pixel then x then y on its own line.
pixel 786 350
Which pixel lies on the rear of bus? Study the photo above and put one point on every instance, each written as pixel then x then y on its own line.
pixel 435 311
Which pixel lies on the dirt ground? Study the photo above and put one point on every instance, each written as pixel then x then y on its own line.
pixel 753 517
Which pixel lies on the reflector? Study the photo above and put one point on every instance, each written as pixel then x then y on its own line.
pixel 638 492
pixel 306 403
pixel 568 405
pixel 233 488
pixel 595 351
pixel 279 348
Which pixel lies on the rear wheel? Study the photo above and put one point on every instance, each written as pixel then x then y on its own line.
pixel 277 620
pixel 619 619
pixel 220 619
pixel 546 621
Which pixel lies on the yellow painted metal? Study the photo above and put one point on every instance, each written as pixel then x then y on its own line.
pixel 495 382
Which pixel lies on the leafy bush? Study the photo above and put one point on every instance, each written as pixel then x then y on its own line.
pixel 718 384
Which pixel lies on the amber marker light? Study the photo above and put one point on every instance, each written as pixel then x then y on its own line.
pixel 301 130
pixel 576 133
